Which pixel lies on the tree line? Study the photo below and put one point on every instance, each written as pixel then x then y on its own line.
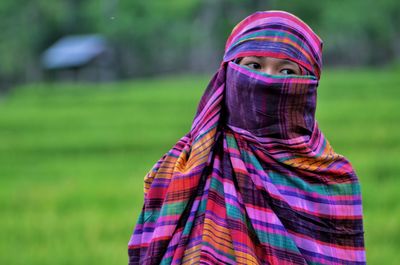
pixel 153 37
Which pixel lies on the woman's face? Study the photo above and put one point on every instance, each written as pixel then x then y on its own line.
pixel 270 65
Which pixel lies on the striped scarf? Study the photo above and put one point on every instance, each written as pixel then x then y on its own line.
pixel 254 181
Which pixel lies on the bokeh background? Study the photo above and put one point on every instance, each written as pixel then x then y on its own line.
pixel 94 92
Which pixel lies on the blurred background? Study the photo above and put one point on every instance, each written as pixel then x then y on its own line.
pixel 93 93
pixel 123 39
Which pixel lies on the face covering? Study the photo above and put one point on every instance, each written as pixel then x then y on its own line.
pixel 271 106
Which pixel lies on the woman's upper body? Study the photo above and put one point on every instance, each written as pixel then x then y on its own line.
pixel 254 181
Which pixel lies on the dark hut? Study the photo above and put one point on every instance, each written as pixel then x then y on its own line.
pixel 79 58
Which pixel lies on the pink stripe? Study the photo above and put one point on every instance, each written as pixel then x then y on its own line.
pixel 337 210
pixel 330 251
pixel 168 218
pixel 323 208
pixel 275 17
pixel 297 202
pixel 140 239
pixel 174 241
pixel 284 19
pixel 263 215
pixel 209 124
pixel 162 231
pixel 277 30
pixel 212 101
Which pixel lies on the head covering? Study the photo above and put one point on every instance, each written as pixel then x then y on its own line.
pixel 277 34
pixel 254 181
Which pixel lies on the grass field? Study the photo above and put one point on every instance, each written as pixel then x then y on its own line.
pixel 73 157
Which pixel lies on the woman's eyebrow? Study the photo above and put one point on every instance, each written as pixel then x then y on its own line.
pixel 284 61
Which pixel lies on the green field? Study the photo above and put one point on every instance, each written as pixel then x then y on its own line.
pixel 73 157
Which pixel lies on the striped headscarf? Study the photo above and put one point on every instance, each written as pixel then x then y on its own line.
pixel 254 181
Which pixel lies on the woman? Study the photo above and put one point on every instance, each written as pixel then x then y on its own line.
pixel 254 181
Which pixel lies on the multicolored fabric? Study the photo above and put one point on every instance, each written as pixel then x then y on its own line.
pixel 254 181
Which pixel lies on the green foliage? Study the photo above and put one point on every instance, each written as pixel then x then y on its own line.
pixel 354 32
pixel 159 36
pixel 73 158
pixel 20 31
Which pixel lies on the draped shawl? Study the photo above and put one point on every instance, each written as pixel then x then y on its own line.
pixel 254 181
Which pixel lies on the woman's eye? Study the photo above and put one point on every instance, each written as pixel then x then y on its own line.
pixel 287 72
pixel 255 66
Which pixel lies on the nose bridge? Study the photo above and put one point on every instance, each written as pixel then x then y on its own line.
pixel 268 70
pixel 269 67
